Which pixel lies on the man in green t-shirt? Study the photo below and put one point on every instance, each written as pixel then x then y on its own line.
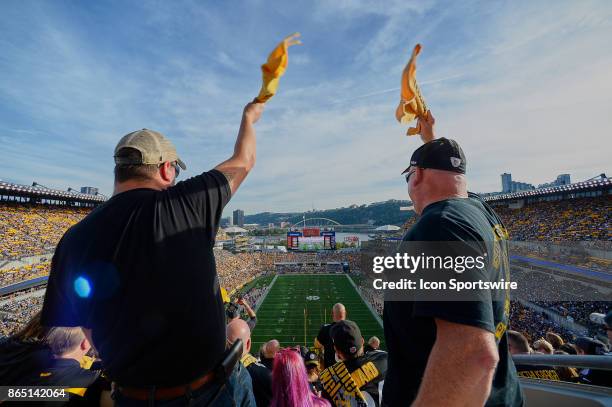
pixel 444 353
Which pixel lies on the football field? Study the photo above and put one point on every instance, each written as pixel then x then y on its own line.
pixel 297 305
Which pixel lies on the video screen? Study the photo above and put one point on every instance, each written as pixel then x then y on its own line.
pixel 311 243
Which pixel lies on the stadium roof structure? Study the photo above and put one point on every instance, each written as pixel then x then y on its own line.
pixel 234 229
pixel 387 228
pixel 585 186
pixel 39 192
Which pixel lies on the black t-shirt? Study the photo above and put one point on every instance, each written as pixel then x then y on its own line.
pixel 373 367
pixel 325 339
pixel 139 271
pixel 67 372
pixel 261 377
pixel 410 328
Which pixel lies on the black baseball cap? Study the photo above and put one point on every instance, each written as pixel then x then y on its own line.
pixel 310 358
pixel 347 337
pixel 591 346
pixel 440 154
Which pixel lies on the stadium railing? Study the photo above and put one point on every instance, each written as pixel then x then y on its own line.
pixel 540 392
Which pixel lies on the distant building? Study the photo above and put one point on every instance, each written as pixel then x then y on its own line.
pixel 513 186
pixel 516 186
pixel 89 190
pixel 225 222
pixel 270 225
pixel 285 224
pixel 562 179
pixel 239 217
pixel 506 180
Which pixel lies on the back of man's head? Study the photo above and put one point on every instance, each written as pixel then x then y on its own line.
pixel 338 312
pixel 141 154
pixel 66 341
pixel 436 172
pixel 271 348
pixel 374 342
pixel 590 346
pixel 347 339
pixel 133 172
pixel 517 343
pixel 239 329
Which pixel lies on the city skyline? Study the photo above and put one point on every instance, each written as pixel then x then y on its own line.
pixel 78 76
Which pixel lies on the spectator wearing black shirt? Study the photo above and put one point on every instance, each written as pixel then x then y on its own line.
pixel 324 339
pixel 596 377
pixel 268 352
pixel 261 376
pixel 142 264
pixel 449 353
pixel 68 347
pixel 373 344
pixel 366 371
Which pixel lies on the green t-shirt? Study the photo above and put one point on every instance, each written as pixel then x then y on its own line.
pixel 410 329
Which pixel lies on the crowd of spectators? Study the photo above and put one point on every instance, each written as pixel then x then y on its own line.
pixel 374 298
pixel 16 313
pixel 23 273
pixel 28 230
pixel 569 220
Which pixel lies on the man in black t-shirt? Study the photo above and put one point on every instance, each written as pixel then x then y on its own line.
pixel 138 273
pixel 357 377
pixel 324 339
pixel 268 352
pixel 449 353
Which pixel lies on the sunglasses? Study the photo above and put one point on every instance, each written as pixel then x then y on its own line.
pixel 408 174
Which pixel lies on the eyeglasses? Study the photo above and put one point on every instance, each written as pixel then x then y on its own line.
pixel 176 168
pixel 408 174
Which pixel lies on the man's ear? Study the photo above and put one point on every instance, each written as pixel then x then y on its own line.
pixel 248 345
pixel 85 345
pixel 166 172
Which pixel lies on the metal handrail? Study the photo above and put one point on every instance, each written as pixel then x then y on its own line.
pixel 602 362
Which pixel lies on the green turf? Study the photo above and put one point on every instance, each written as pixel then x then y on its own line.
pixel 281 315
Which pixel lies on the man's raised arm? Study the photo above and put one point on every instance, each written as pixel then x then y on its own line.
pixel 242 161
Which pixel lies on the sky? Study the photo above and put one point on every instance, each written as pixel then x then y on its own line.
pixel 524 87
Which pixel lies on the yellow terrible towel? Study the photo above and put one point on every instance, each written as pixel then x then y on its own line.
pixel 275 67
pixel 412 104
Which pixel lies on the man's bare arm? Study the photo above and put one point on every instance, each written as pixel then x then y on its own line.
pixel 247 308
pixel 460 368
pixel 237 167
pixel 426 124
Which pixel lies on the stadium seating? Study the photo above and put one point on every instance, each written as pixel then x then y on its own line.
pixel 28 230
pixel 567 220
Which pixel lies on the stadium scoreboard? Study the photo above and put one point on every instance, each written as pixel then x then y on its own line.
pixel 311 239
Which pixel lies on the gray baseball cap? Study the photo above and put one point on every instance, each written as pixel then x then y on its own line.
pixel 154 148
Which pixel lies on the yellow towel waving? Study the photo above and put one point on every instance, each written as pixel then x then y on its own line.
pixel 412 104
pixel 275 67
